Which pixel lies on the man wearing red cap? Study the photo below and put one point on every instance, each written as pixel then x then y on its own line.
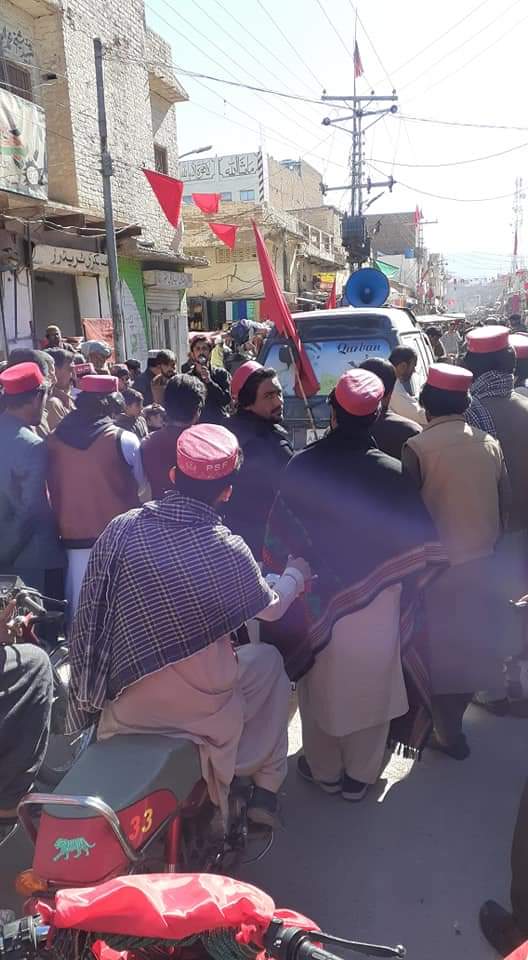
pixel 265 444
pixel 29 545
pixel 151 650
pixel 346 507
pixel 461 473
pixel 501 411
pixel 94 474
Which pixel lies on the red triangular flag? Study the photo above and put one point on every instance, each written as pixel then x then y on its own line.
pixel 358 66
pixel 278 311
pixel 168 192
pixel 226 232
pixel 417 216
pixel 331 303
pixel 207 202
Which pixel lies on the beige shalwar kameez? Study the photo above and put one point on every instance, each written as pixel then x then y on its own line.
pixel 234 706
pixel 353 691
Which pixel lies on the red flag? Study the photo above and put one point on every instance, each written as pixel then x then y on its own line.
pixel 358 66
pixel 417 216
pixel 207 202
pixel 278 311
pixel 226 232
pixel 168 192
pixel 331 303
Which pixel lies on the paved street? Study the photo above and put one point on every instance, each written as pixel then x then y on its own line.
pixel 411 863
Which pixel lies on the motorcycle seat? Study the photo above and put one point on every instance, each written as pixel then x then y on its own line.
pixel 125 769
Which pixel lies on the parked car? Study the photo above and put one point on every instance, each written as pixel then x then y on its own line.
pixel 336 340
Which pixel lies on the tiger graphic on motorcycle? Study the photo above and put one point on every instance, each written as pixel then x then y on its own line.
pixel 77 845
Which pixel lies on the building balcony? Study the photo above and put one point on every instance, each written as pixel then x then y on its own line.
pixel 37 8
pixel 162 79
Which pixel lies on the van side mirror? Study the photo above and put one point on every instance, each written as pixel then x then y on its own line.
pixel 287 355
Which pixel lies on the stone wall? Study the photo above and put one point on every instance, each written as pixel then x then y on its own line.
pixel 294 186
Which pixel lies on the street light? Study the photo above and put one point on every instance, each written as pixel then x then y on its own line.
pixel 199 150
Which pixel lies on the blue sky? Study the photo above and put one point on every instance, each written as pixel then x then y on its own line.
pixel 461 61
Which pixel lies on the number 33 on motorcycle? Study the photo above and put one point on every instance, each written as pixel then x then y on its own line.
pixel 141 824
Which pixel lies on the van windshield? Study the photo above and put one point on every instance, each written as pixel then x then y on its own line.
pixel 329 359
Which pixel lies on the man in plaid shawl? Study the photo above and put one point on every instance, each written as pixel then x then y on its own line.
pixel 151 650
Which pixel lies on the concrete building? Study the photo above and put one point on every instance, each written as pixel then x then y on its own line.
pixel 53 266
pixel 303 236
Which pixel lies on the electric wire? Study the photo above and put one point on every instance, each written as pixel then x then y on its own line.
pixel 227 56
pixel 463 66
pixel 453 163
pixel 432 43
pixel 442 59
pixel 260 43
pixel 438 196
pixel 285 37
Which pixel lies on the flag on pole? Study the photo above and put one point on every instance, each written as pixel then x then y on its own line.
pixel 206 202
pixel 278 311
pixel 226 232
pixel 168 193
pixel 358 65
pixel 417 216
pixel 331 303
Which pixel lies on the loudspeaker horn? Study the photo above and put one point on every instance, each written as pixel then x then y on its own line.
pixel 367 288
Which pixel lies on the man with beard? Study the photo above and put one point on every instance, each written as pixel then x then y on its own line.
pixel 265 444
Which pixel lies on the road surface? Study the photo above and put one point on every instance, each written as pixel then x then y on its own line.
pixel 411 863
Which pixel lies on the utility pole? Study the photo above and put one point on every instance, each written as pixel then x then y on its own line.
pixel 518 217
pixel 355 239
pixel 106 173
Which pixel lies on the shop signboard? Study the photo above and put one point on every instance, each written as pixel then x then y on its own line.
pixel 23 148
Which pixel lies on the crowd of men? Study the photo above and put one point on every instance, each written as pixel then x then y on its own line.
pixel 376 566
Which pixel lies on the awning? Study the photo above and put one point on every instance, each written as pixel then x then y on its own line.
pixel 391 272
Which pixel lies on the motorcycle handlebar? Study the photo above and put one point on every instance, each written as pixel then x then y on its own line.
pixel 294 943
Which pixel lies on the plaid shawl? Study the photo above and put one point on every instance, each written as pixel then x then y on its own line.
pixel 346 508
pixel 486 387
pixel 162 583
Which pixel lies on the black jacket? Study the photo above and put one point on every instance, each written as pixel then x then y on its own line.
pixel 143 383
pixel 267 451
pixel 216 409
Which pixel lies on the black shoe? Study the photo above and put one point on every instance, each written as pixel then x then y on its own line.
pixel 457 750
pixel 262 807
pixel 499 708
pixel 499 928
pixel 353 790
pixel 304 771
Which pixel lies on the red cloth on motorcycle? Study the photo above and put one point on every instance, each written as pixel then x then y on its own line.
pixel 168 907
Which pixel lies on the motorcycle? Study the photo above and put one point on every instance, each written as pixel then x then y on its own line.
pixel 131 804
pixel 191 917
pixel 41 620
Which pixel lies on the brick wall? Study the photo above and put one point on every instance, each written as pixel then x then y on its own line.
pixel 293 188
pixel 63 44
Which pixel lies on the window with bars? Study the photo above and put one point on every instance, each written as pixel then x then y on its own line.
pixel 161 162
pixel 16 79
